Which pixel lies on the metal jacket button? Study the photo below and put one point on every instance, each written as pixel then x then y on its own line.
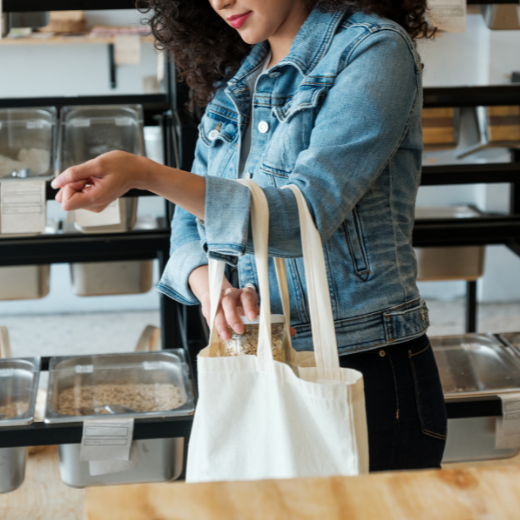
pixel 248 175
pixel 275 75
pixel 382 353
pixel 263 127
pixel 213 135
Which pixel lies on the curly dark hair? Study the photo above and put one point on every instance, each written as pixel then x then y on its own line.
pixel 207 50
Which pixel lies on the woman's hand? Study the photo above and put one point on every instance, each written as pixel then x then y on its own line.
pixel 233 304
pixel 97 183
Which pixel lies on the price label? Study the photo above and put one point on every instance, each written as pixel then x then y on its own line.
pixel 84 369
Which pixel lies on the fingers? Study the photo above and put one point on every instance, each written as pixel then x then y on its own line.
pixel 229 305
pixel 83 172
pixel 221 325
pixel 76 186
pixel 249 302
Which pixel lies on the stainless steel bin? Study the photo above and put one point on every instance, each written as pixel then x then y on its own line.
pixel 111 278
pixel 81 385
pixel 474 367
pixel 449 263
pixel 27 282
pixel 18 388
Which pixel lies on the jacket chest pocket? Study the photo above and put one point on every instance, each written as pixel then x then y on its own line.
pixel 219 132
pixel 292 135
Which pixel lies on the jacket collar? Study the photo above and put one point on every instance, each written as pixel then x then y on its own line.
pixel 310 44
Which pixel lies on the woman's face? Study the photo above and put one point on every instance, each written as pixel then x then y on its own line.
pixel 259 20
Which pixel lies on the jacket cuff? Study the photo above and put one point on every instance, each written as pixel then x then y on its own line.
pixel 227 215
pixel 174 280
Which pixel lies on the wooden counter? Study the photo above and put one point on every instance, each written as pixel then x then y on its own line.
pixel 489 491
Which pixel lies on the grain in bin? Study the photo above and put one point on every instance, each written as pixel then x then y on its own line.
pixel 136 385
pixel 18 388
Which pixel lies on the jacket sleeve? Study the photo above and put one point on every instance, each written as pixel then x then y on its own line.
pixel 186 248
pixel 359 127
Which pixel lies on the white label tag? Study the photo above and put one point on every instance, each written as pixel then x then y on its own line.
pixel 23 207
pixel 80 122
pixel 107 439
pixel 84 369
pixel 508 426
pixel 34 125
pixel 108 217
pixel 448 15
pixel 152 365
pixel 6 372
pixel 123 121
pixel 127 49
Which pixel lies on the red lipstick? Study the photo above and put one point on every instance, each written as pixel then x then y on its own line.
pixel 239 20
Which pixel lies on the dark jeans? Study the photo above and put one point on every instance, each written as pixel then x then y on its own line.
pixel 406 414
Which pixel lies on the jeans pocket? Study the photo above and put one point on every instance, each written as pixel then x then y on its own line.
pixel 429 396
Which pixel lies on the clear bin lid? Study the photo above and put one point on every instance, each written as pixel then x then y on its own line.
pixel 27 142
pixel 472 365
pixel 140 384
pixel 90 131
pixel 432 212
pixel 18 388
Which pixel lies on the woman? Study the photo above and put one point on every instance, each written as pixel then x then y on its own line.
pixel 324 94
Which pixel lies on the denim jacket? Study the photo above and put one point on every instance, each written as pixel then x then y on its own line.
pixel 340 117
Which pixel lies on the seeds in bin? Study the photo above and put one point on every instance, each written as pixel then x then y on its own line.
pixel 143 398
pixel 246 344
pixel 10 410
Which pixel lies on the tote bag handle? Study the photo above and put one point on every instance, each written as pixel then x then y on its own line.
pixel 322 321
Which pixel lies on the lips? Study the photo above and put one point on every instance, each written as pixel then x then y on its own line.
pixel 239 20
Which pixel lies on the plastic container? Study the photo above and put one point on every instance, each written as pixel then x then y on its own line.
pixel 148 384
pixel 18 389
pixel 89 131
pixel 27 143
pixel 247 342
pixel 475 367
pixel 449 263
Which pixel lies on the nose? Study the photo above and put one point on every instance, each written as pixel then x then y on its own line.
pixel 219 5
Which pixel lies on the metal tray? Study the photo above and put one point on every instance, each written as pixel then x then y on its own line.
pixel 157 460
pixel 140 367
pixel 511 339
pixel 475 365
pixel 19 382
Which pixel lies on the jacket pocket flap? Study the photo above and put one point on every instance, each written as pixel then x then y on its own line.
pixel 407 322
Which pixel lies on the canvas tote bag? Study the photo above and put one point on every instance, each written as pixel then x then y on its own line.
pixel 257 418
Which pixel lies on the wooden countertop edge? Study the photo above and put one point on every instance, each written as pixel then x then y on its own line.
pixel 467 493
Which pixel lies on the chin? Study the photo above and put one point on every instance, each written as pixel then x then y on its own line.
pixel 252 37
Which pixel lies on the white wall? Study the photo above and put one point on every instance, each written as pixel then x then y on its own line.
pixel 478 57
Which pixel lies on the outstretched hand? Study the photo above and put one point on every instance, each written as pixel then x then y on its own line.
pixel 97 183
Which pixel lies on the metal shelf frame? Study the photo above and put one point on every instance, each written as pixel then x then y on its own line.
pixel 183 326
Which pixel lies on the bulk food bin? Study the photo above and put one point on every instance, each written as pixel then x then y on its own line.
pixel 111 278
pixel 27 282
pixel 18 388
pixel 138 385
pixel 449 263
pixel 475 367
pixel 89 131
pixel 27 154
